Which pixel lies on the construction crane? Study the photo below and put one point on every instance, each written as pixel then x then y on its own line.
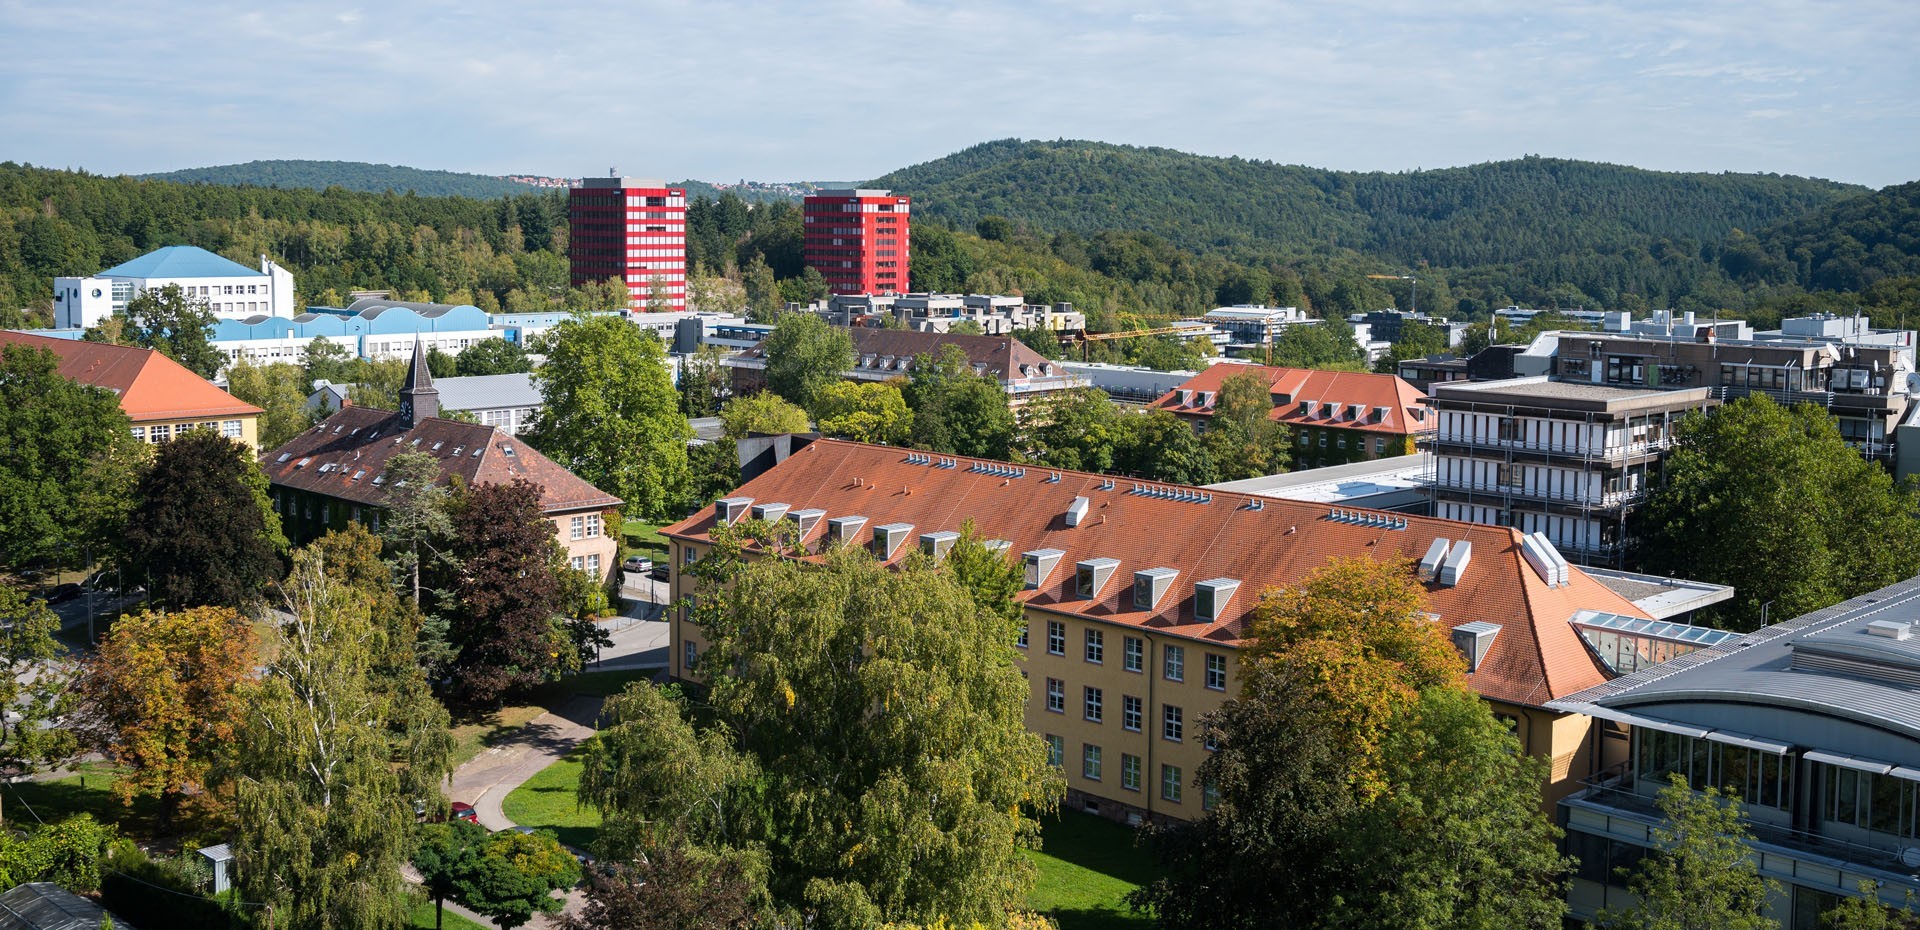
pixel 1413 289
pixel 1084 338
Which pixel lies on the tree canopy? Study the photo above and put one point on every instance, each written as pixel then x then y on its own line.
pixel 610 413
pixel 1703 877
pixel 804 355
pixel 956 411
pixel 507 593
pixel 177 326
pixel 203 530
pixel 67 461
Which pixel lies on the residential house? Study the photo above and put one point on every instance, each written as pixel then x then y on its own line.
pixel 1137 598
pixel 1335 416
pixel 160 396
pixel 885 354
pixel 333 473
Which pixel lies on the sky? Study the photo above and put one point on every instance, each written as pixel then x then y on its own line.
pixel 846 90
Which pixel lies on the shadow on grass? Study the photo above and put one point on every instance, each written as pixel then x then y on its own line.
pixel 1098 845
pixel 1099 919
pixel 29 802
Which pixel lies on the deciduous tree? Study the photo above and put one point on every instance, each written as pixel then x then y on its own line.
pixel 1244 439
pixel 417 522
pixel 1703 876
pixel 1159 446
pixel 33 684
pixel 507 592
pixel 765 412
pixel 492 357
pixel 864 411
pixel 1328 344
pixel 704 382
pixel 804 355
pixel 1079 429
pixel 675 886
pixel 956 411
pixel 517 876
pixel 610 413
pixel 67 461
pixel 177 326
pixel 445 855
pixel 280 391
pixel 165 697
pixel 203 530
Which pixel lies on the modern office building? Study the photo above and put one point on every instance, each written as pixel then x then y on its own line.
pixel 886 354
pixel 1335 416
pixel 160 396
pixel 631 229
pixel 995 314
pixel 859 240
pixel 227 287
pixel 1569 459
pixel 1813 727
pixel 1247 330
pixel 1138 596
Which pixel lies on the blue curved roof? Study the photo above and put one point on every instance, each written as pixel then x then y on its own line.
pixel 181 261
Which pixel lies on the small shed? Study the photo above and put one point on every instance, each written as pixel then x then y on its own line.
pixel 47 906
pixel 220 858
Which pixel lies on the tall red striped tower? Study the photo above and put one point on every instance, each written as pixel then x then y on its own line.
pixel 633 229
pixel 859 240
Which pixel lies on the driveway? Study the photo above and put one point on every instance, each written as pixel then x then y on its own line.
pixel 486 779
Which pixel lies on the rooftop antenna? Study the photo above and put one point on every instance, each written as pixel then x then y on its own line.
pixel 613 172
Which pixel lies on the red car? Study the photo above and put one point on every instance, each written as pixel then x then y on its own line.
pixel 464 811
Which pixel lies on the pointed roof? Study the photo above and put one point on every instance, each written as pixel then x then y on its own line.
pixel 181 261
pixel 419 377
pixel 1332 393
pixel 150 385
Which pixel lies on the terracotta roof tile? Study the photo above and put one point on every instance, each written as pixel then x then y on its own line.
pixel 1293 388
pixel 1002 356
pixel 1536 656
pixel 150 385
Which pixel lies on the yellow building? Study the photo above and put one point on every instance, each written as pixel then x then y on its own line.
pixel 161 396
pixel 1137 598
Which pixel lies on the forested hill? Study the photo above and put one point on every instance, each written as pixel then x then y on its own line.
pixel 1849 246
pixel 1524 210
pixel 352 175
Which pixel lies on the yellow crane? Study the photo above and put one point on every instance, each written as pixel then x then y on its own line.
pixel 1083 339
pixel 1413 289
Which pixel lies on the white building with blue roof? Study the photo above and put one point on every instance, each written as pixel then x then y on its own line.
pixel 229 288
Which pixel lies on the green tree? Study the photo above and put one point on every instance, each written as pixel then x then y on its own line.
pixel 1079 429
pixel 1702 875
pixel 763 292
pixel 1165 353
pixel 864 411
pixel 1416 341
pixel 1328 344
pixel 1159 446
pixel 705 382
pixel 1044 341
pixel 440 364
pixel 445 855
pixel 325 361
pixel 764 412
pixel 492 357
pixel 515 877
pixel 1243 437
pixel 1358 782
pixel 956 411
pixel 33 685
pixel 673 886
pixel 202 530
pixel 175 325
pixel 67 853
pixel 804 355
pixel 610 414
pixel 508 593
pixel 67 461
pixel 1799 520
pixel 659 778
pixel 322 823
pixel 1865 912
pixel 417 522
pixel 280 391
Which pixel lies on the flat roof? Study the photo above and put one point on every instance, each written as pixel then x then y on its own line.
pixel 1661 597
pixel 1352 481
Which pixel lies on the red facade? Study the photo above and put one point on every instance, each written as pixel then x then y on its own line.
pixel 859 240
pixel 632 230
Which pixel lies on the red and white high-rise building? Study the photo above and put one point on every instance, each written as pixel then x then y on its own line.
pixel 631 229
pixel 859 240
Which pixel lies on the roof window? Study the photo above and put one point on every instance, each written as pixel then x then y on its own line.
pixel 1210 598
pixel 1151 584
pixel 770 512
pixel 1039 564
pixel 1090 576
pixel 938 544
pixel 729 509
pixel 844 529
pixel 887 539
pixel 284 456
pixel 806 520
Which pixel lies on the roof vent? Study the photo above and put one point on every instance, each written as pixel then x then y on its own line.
pixel 806 520
pixel 769 512
pixel 1474 640
pixel 1210 598
pixel 1545 559
pixel 1150 584
pixel 729 509
pixel 1430 563
pixel 938 544
pixel 1090 576
pixel 1455 564
pixel 887 539
pixel 1039 564
pixel 1077 511
pixel 844 529
pixel 1891 629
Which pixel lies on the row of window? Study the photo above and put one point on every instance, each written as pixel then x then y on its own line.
pixel 167 432
pixel 1340 442
pixel 1093 707
pixel 1133 652
pixel 1093 768
pixel 585 526
pixel 589 564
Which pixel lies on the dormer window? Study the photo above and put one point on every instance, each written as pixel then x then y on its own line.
pixel 844 529
pixel 1149 585
pixel 806 520
pixel 1210 598
pixel 938 544
pixel 1186 397
pixel 1090 576
pixel 769 512
pixel 1039 564
pixel 1206 398
pixel 730 509
pixel 887 539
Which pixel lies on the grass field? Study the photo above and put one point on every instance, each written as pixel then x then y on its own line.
pixel 549 800
pixel 472 735
pixel 422 917
pixel 1086 867
pixel 88 791
pixel 644 536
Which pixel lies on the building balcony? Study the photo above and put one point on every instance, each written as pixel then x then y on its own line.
pixel 1614 453
pixel 1607 500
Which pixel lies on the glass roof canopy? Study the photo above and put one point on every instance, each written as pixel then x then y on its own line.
pixel 1627 644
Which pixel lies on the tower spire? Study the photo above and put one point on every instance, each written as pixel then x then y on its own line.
pixel 419 399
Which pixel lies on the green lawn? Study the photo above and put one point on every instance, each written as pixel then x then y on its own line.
pixel 472 735
pixel 549 801
pixel 1087 865
pixel 89 791
pixel 644 536
pixel 422 917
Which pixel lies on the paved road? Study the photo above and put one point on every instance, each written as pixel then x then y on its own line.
pixel 486 779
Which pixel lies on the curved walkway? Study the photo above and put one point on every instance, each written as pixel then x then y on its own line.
pixel 486 779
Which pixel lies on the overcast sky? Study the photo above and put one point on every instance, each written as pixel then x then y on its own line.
pixel 730 89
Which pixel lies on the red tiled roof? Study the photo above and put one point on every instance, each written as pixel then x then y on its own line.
pixel 1333 393
pixel 150 385
pixel 1003 357
pixel 1536 656
pixel 341 456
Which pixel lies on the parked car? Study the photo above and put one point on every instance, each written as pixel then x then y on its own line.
pixel 638 564
pixel 658 572
pixel 60 594
pixel 461 810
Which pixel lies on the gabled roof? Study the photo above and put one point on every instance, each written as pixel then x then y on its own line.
pixel 150 385
pixel 342 455
pixel 181 261
pixel 1535 657
pixel 1294 388
pixel 1002 357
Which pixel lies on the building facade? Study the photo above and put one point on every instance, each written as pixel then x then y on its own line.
pixel 859 240
pixel 1571 460
pixel 228 288
pixel 631 229
pixel 332 474
pixel 995 314
pixel 160 396
pixel 1138 596
pixel 1334 416
pixel 1812 726
pixel 886 354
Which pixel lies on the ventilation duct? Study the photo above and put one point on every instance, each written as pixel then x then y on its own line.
pixel 1455 564
pixel 1430 563
pixel 1077 511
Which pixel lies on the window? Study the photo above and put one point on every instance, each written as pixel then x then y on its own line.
pixel 1129 771
pixel 1174 665
pixel 1090 762
pixel 1022 641
pixel 593 565
pixel 579 564
pixel 692 656
pixel 1056 695
pixel 1130 712
pixel 1056 750
pixel 1216 671
pixel 140 435
pixel 1095 704
pixel 1170 783
pixel 688 555
pixel 1056 638
pixel 1096 646
pixel 1380 446
pixel 1172 723
pixel 1209 796
pixel 578 528
pixel 1135 654
pixel 160 433
pixel 230 429
pixel 593 526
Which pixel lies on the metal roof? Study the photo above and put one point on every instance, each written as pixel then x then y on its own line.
pixel 487 392
pixel 47 906
pixel 181 261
